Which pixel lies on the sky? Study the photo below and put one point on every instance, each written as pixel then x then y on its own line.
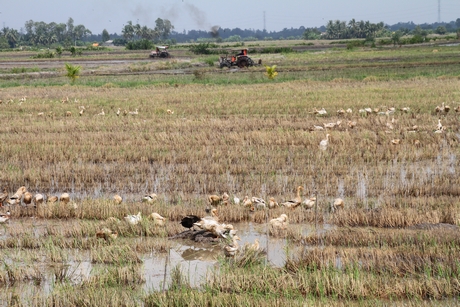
pixel 112 15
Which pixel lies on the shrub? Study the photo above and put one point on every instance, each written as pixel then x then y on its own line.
pixel 143 44
pixel 202 48
pixel 45 55
pixel 72 71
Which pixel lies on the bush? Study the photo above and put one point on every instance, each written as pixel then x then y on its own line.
pixel 143 44
pixel 120 42
pixel 203 48
pixel 355 43
pixel 416 39
pixel 45 55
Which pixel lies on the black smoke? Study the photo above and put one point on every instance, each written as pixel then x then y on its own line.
pixel 214 31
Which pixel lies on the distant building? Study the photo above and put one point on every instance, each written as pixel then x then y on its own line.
pixel 108 43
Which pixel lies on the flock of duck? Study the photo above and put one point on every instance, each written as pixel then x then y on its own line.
pixel 201 229
pixel 440 110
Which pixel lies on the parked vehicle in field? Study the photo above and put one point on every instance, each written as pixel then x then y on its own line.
pixel 160 52
pixel 241 60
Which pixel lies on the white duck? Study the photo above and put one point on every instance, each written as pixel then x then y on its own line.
pixel 133 219
pixel 232 249
pixel 280 222
pixel 309 202
pixel 209 222
pixel 150 198
pixel 323 144
pixel 259 203
pixel 5 217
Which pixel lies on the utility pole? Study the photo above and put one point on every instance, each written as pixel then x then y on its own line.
pixel 439 11
pixel 264 22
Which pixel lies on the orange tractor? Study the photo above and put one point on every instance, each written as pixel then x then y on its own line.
pixel 241 60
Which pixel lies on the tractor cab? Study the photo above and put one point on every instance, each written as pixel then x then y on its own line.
pixel 241 60
pixel 160 52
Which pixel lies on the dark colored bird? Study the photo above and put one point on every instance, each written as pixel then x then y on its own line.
pixel 189 220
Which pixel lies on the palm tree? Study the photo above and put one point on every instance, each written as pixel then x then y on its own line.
pixel 128 31
pixel 11 36
pixel 72 71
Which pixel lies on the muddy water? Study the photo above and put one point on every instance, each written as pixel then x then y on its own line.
pixel 194 259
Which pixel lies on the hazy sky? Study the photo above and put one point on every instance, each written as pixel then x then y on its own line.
pixel 97 15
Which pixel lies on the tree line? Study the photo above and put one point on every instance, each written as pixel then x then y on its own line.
pixel 39 33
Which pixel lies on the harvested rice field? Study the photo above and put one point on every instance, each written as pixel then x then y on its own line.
pixel 370 135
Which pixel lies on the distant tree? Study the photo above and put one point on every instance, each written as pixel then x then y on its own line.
pixel 311 33
pixel 457 23
pixel 11 35
pixel 233 38
pixel 441 30
pixel 163 27
pixel 396 37
pixel 70 30
pixel 128 31
pixel 105 35
pixel 4 43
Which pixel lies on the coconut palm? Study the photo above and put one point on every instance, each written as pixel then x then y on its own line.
pixel 72 71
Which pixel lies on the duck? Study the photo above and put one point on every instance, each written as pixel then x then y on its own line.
pixel 280 222
pixel 38 199
pixel 221 230
pixel 214 200
pixel 272 203
pixel 322 111
pixel 189 220
pixel 255 246
pixel 133 219
pixel 150 198
pixel 106 234
pixel 16 198
pixel 338 203
pixel 158 219
pixel 318 128
pixel 236 200
pixel 439 125
pixel 309 203
pixel 118 199
pixel 4 217
pixel 351 124
pixel 396 141
pixel 405 109
pixel 51 199
pixel 294 202
pixel 323 144
pixel 231 250
pixel 207 222
pixel 259 203
pixel 247 202
pixel 27 199
pixel 64 198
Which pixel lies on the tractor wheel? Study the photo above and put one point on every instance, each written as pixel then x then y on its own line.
pixel 164 55
pixel 242 63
